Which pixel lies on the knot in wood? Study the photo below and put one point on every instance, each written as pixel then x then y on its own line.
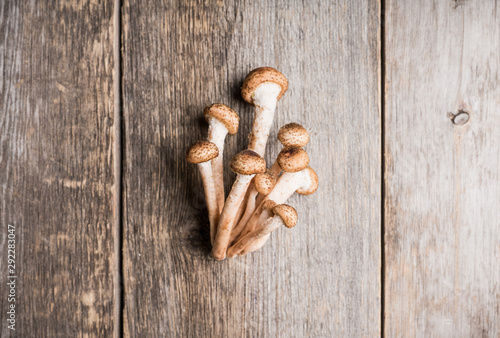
pixel 460 118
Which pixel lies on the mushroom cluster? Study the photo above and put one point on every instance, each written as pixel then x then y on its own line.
pixel 255 206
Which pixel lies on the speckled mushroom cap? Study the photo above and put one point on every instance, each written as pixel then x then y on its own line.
pixel 248 162
pixel 259 76
pixel 201 151
pixel 310 184
pixel 293 135
pixel 264 183
pixel 268 205
pixel 224 114
pixel 293 159
pixel 287 213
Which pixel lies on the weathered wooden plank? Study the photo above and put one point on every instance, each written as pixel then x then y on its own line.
pixel 323 277
pixel 56 181
pixel 442 178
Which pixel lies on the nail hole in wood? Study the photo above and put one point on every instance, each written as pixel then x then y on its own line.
pixel 460 118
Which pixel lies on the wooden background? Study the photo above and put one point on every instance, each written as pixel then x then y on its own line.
pixel 99 100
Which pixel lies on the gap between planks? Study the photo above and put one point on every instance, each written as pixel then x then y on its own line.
pixel 117 173
pixel 382 167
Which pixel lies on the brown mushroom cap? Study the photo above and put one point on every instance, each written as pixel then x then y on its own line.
pixel 311 184
pixel 264 183
pixel 201 151
pixel 293 135
pixel 293 159
pixel 287 213
pixel 248 162
pixel 224 114
pixel 268 205
pixel 259 76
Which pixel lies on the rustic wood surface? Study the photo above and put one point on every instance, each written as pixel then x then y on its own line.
pixel 321 278
pixel 56 173
pixel 442 182
pixel 92 172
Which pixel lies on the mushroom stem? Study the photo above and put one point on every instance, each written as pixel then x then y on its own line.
pixel 264 99
pixel 241 209
pixel 249 209
pixel 201 153
pixel 239 217
pixel 275 169
pixel 210 196
pixel 217 132
pixel 254 245
pixel 228 215
pixel 269 226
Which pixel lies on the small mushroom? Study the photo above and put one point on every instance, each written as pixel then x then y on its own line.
pixel 263 87
pixel 222 120
pixel 201 153
pixel 283 215
pixel 293 135
pixel 246 164
pixel 292 159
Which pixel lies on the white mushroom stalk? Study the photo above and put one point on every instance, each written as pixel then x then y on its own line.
pixel 221 121
pixel 217 132
pixel 272 224
pixel 246 164
pixel 263 87
pixel 201 153
pixel 254 245
pixel 283 215
pixel 265 99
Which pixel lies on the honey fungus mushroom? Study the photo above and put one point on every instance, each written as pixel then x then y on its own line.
pixel 246 164
pixel 222 120
pixel 201 153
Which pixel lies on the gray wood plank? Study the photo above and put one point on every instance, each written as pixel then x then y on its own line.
pixel 56 155
pixel 323 277
pixel 442 176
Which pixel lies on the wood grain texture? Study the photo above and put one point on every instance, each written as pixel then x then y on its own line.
pixel 56 134
pixel 320 279
pixel 442 179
